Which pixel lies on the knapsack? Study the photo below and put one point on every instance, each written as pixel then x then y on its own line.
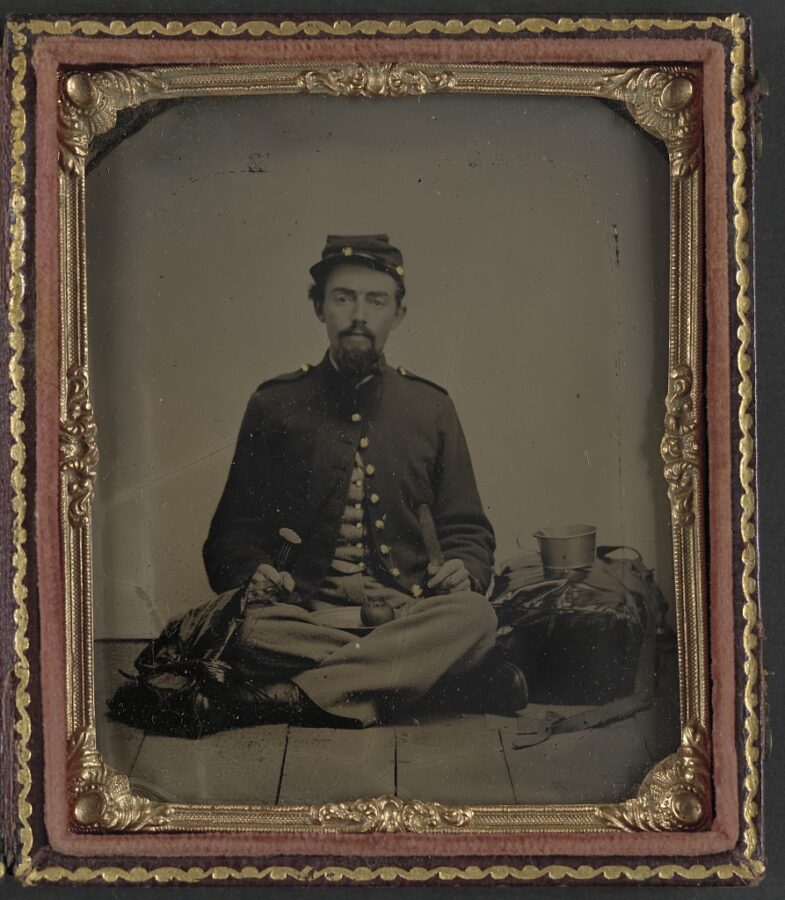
pixel 586 636
pixel 183 688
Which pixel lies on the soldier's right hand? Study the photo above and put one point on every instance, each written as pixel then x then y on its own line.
pixel 267 583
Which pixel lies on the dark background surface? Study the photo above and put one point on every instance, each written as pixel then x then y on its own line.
pixel 769 33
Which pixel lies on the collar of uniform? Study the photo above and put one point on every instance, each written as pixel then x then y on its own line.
pixel 344 397
pixel 336 380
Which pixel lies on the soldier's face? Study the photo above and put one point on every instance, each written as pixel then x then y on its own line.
pixel 360 309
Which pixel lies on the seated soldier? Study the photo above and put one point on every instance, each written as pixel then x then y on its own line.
pixel 356 457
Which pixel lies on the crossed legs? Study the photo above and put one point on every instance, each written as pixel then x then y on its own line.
pixel 361 678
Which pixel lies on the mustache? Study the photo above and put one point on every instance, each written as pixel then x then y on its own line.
pixel 358 330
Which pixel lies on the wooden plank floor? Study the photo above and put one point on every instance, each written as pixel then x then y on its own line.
pixel 460 759
pixel 329 764
pixel 453 760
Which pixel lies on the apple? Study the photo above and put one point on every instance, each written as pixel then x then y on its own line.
pixel 376 612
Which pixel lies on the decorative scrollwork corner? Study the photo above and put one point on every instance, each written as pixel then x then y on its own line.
pixel 100 798
pixel 78 448
pixel 89 103
pixel 375 80
pixel 666 103
pixel 679 447
pixel 675 795
pixel 390 814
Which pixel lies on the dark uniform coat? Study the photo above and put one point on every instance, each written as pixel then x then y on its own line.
pixel 292 466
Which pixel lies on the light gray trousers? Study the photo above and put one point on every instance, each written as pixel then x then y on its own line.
pixel 359 677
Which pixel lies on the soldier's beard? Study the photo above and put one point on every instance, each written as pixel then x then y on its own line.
pixel 356 361
pixel 353 360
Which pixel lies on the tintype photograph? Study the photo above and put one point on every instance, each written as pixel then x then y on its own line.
pixel 381 476
pixel 379 387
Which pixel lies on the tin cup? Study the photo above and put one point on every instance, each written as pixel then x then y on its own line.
pixel 567 546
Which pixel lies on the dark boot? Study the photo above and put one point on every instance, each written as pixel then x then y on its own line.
pixel 190 699
pixel 495 686
pixel 286 702
pixel 174 710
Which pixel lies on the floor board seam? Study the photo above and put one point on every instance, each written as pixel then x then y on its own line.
pixel 136 755
pixel 507 766
pixel 395 761
pixel 283 766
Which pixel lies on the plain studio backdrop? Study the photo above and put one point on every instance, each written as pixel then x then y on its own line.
pixel 535 239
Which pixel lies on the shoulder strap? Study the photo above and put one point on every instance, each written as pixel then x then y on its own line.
pixel 411 375
pixel 304 369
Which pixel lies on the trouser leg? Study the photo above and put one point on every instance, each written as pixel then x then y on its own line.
pixel 403 658
pixel 278 640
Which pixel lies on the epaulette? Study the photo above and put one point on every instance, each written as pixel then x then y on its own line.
pixel 304 369
pixel 407 374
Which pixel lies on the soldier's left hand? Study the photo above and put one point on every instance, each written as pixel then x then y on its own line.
pixel 450 578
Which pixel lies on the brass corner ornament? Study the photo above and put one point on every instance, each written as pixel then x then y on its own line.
pixel 100 798
pixel 375 80
pixel 390 814
pixel 675 795
pixel 665 102
pixel 88 105
pixel 78 447
pixel 679 446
